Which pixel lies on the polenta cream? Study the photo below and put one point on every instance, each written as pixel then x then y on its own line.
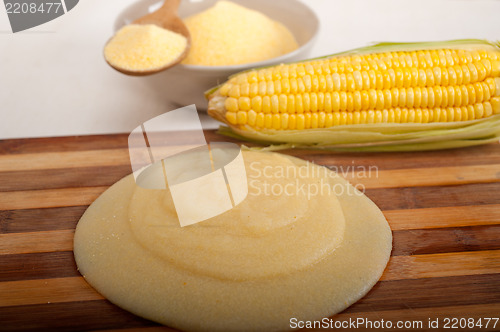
pixel 253 268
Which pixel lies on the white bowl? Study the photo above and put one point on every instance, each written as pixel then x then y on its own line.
pixel 186 84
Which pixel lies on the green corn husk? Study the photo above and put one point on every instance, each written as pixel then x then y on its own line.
pixel 382 136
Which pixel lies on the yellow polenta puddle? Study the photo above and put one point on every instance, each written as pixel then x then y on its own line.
pixel 230 34
pixel 305 253
pixel 138 47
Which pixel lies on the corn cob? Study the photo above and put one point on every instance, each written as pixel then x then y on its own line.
pixel 409 88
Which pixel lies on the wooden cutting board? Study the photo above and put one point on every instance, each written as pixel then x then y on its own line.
pixel 443 208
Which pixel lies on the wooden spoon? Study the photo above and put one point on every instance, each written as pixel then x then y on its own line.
pixel 165 17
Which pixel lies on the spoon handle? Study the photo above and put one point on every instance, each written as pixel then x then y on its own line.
pixel 169 7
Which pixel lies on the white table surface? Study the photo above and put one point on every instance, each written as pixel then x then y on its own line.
pixel 54 81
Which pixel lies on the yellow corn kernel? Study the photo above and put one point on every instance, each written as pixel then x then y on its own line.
pixel 479 92
pixel 473 73
pixel 299 105
pixel 234 91
pixel 285 85
pixel 231 104
pixel 465 114
pixel 300 122
pixel 252 118
pixel 292 121
pixel 328 120
pixel 254 89
pixel 314 102
pixel 259 122
pixel 245 89
pixel 495 105
pixel 282 101
pixel 321 101
pixel 262 88
pixel 349 119
pixel 277 87
pixel 268 120
pixel 471 93
pixel 306 102
pixel 257 103
pixel 252 77
pixel 303 84
pixel 274 104
pixel 266 104
pixel 231 118
pixel 478 110
pixel 307 120
pixel 471 114
pixel 495 68
pixel 276 121
pixel 356 117
pixel 402 98
pixel 224 90
pixel 242 117
pixel 244 103
pixel 328 102
pixel 270 87
pixel 290 104
pixel 426 115
pixel 314 120
pixel 350 102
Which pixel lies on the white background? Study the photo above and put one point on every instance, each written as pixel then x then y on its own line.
pixel 54 81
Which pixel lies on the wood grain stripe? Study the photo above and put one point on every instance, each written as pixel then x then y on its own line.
pixel 477 155
pixel 145 329
pixel 411 294
pixel 442 265
pixel 456 216
pixel 73 316
pixel 62 178
pixel 49 198
pixel 59 144
pixel 85 143
pixel 61 160
pixel 433 197
pixel 37 266
pixel 46 291
pixel 34 242
pixel 36 220
pixel 445 240
pixel 419 177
